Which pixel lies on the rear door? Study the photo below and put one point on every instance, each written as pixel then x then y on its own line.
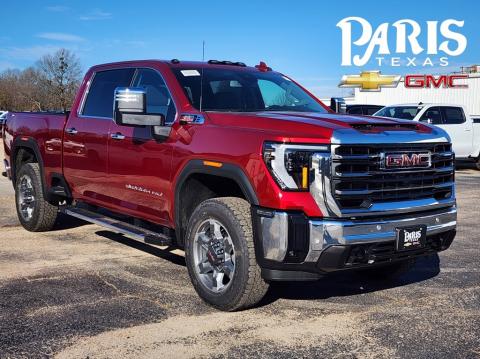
pixel 85 153
pixel 140 163
pixel 458 126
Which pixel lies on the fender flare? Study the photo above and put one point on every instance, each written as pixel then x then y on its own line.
pixel 31 144
pixel 227 170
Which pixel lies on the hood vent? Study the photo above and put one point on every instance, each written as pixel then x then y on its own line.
pixel 381 127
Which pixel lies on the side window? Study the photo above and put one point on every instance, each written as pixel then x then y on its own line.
pixel 159 100
pixel 453 115
pixel 99 102
pixel 433 116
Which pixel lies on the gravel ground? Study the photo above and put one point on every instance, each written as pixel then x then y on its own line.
pixel 83 292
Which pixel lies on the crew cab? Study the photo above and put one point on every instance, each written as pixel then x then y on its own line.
pixel 242 168
pixel 463 130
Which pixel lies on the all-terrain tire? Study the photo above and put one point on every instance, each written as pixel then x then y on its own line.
pixel 247 286
pixel 43 215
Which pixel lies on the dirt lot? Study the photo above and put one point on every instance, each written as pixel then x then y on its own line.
pixel 81 291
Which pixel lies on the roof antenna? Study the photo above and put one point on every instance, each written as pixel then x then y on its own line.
pixel 201 76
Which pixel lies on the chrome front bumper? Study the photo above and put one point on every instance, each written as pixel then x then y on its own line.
pixel 322 234
pixel 326 233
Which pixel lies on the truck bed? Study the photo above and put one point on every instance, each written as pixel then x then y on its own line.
pixel 45 129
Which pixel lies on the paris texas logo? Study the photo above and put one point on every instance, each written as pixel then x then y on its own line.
pixel 409 48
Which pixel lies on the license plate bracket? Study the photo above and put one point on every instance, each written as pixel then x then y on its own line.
pixel 411 238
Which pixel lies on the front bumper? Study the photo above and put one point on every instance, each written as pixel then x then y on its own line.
pixel 291 246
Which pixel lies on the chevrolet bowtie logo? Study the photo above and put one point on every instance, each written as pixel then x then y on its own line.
pixel 369 81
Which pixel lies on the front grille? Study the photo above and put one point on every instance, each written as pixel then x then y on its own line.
pixel 359 181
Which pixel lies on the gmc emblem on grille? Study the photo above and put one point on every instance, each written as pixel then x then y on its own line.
pixel 406 160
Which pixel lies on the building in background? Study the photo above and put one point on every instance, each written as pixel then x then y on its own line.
pixel 467 97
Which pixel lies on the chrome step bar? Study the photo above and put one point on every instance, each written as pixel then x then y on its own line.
pixel 115 225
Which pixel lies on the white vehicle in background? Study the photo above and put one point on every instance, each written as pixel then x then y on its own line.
pixel 3 117
pixel 464 130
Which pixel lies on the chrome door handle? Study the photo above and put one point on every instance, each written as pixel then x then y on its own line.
pixel 117 136
pixel 71 131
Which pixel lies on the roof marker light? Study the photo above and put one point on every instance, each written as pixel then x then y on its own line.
pixel 262 66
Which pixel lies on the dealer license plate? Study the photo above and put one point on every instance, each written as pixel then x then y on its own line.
pixel 411 237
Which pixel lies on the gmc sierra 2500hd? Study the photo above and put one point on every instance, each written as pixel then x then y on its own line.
pixel 242 168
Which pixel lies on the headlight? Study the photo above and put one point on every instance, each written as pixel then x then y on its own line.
pixel 290 165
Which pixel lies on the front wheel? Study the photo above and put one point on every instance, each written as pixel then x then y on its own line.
pixel 220 255
pixel 477 163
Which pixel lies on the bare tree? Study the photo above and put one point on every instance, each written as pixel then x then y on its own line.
pixel 61 72
pixel 8 90
pixel 31 90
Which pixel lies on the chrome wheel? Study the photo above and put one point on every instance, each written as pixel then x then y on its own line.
pixel 214 255
pixel 26 197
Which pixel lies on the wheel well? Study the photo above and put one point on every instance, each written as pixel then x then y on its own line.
pixel 199 187
pixel 24 155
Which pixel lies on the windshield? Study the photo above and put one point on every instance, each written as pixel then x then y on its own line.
pixel 244 91
pixel 402 112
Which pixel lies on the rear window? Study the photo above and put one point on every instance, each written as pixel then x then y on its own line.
pixel 453 115
pixel 99 102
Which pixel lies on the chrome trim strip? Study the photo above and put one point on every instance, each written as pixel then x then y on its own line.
pixel 320 187
pixel 370 191
pixel 325 233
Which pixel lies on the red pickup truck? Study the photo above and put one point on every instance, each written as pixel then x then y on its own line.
pixel 241 167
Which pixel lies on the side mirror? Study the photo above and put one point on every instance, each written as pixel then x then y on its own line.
pixel 130 105
pixel 338 105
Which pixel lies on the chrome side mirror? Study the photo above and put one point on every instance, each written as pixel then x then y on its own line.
pixel 130 105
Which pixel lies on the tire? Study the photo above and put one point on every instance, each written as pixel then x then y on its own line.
pixel 224 220
pixel 477 164
pixel 390 271
pixel 33 211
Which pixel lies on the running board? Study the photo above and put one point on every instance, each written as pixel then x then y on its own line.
pixel 129 230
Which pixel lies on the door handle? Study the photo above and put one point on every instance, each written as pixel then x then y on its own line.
pixel 71 131
pixel 117 136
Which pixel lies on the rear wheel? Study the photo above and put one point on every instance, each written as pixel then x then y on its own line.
pixel 34 212
pixel 477 164
pixel 220 254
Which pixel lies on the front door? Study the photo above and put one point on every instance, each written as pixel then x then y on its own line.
pixel 85 153
pixel 139 164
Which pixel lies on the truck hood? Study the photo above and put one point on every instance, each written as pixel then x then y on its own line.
pixel 309 124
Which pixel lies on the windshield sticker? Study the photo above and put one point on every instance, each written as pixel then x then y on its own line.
pixel 190 73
